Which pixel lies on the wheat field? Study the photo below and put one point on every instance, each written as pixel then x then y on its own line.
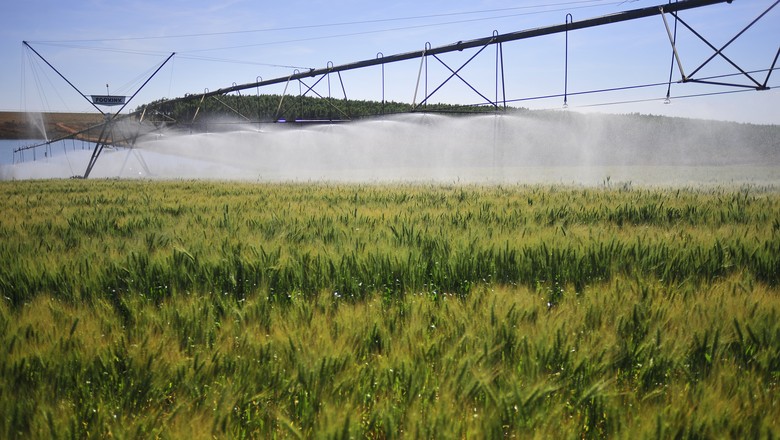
pixel 170 309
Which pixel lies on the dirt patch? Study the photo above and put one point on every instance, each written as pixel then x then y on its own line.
pixel 18 125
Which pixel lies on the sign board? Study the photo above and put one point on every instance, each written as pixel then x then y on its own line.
pixel 108 99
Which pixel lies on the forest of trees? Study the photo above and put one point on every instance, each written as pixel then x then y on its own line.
pixel 267 108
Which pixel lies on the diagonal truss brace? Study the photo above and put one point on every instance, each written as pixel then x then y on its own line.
pixel 328 101
pixel 454 74
pixel 718 52
pixel 108 126
pixel 310 88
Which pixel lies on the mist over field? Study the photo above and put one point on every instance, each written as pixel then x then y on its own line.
pixel 522 147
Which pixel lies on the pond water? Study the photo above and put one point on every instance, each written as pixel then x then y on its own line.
pixel 55 149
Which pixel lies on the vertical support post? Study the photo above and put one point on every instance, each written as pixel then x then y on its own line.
pixel 300 98
pixel 427 48
pixel 238 104
pixel 569 20
pixel 674 46
pixel 98 148
pixel 381 55
pixel 330 110
pixel 257 99
pixel 281 100
pixel 503 77
pixel 419 75
pixel 771 69
pixel 197 109
pixel 668 99
pixel 500 71
pixel 344 91
pixel 495 102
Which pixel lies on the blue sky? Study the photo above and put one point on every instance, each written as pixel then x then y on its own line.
pixel 119 43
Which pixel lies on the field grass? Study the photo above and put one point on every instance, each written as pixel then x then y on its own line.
pixel 139 309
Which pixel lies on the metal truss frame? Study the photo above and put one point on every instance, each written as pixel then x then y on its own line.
pixel 499 102
pixel 106 136
pixel 718 52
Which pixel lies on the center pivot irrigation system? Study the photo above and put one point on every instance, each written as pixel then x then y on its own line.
pixel 750 79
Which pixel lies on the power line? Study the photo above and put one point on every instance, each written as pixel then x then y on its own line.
pixel 251 63
pixel 401 28
pixel 188 54
pixel 337 24
pixel 68 43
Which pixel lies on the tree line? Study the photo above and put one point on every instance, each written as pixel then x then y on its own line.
pixel 267 108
